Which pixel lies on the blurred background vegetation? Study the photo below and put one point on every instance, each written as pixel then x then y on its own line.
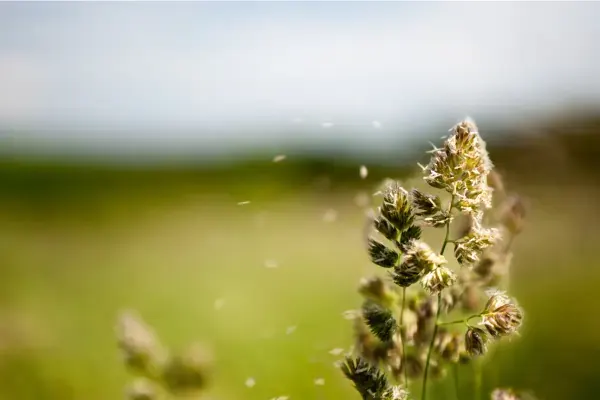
pixel 81 241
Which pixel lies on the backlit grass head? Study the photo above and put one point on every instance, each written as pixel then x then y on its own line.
pixel 429 285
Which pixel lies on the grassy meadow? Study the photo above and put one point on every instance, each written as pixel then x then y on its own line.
pixel 80 243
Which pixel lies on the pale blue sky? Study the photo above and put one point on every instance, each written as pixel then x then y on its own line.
pixel 84 69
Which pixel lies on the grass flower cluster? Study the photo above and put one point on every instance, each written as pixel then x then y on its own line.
pixel 159 372
pixel 404 333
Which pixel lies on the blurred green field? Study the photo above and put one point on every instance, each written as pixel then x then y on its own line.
pixel 78 245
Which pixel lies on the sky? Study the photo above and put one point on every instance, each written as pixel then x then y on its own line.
pixel 175 74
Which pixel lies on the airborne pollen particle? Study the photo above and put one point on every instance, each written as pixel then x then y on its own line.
pixel 363 172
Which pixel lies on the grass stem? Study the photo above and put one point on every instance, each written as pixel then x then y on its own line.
pixel 478 379
pixel 455 372
pixel 437 314
pixel 403 337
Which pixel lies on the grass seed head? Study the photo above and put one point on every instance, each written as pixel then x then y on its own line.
pixel 397 207
pixel 461 168
pixel 380 320
pixel 501 316
pixel 469 248
pixel 476 341
pixel 139 345
pixel 189 371
pixel 381 255
pixel 438 279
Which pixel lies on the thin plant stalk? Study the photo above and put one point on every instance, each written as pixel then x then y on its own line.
pixel 437 314
pixel 435 330
pixel 456 381
pixel 403 336
pixel 460 321
pixel 478 376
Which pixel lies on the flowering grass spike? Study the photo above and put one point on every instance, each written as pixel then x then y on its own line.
pixel 400 330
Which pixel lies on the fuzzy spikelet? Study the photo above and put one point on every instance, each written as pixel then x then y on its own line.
pixel 175 373
pixel 386 228
pixel 475 341
pixel 439 220
pixel 188 371
pixel 501 316
pixel 461 168
pixel 139 345
pixel 418 260
pixel 425 204
pixel 366 344
pixel 371 383
pixel 380 320
pixel 412 233
pixel 438 279
pixel 429 207
pixel 406 274
pixel 381 255
pixel 469 248
pixel 397 207
pixel 420 255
